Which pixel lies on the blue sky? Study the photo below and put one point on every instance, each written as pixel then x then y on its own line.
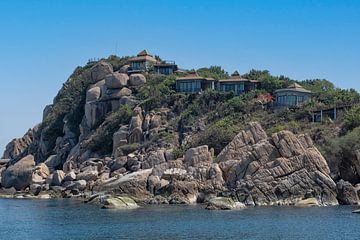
pixel 42 41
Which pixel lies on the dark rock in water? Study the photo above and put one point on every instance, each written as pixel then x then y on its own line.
pixel 357 211
pixel 347 194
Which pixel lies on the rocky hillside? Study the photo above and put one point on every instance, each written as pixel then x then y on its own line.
pixel 113 134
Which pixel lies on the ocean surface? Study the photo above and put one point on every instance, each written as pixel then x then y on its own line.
pixel 66 219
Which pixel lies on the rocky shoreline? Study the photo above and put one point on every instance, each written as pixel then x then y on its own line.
pixel 253 170
pixel 107 144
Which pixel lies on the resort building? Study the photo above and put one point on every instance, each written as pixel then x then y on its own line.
pixel 144 61
pixel 292 96
pixel 237 84
pixel 165 67
pixel 193 83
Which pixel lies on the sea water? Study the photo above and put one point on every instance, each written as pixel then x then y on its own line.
pixel 66 219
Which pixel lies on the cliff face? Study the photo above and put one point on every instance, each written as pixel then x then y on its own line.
pixel 101 136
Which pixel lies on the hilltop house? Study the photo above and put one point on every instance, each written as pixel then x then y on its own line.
pixel 165 67
pixel 142 62
pixel 292 96
pixel 193 83
pixel 237 84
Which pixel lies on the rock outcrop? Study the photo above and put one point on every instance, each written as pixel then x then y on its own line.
pixel 19 175
pixel 282 169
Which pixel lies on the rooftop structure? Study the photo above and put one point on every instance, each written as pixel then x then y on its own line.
pixel 193 83
pixel 237 84
pixel 292 96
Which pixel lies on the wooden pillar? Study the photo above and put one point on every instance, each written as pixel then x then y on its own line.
pixel 321 115
pixel 335 113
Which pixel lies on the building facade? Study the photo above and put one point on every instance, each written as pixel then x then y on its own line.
pixel 237 84
pixel 193 83
pixel 292 96
pixel 144 61
pixel 165 68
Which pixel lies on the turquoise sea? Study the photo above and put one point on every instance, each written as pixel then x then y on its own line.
pixel 66 219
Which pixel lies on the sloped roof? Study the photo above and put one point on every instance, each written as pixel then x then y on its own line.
pixel 144 55
pixel 236 77
pixel 294 87
pixel 193 76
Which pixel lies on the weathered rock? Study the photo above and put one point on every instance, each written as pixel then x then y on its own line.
pixel 223 203
pixel 57 178
pixel 174 174
pixel 154 158
pixel 95 112
pixel 40 173
pixel 124 69
pixel 100 71
pixel 118 94
pixel 116 80
pixel 18 145
pixel 52 162
pixel 47 110
pixel 271 171
pixel 120 139
pixel 199 156
pixel 347 195
pixel 120 203
pixel 137 79
pixel 70 176
pixel 133 184
pixel 88 175
pixel 117 163
pixel 93 94
pixel 309 202
pixel 19 175
pixel 79 185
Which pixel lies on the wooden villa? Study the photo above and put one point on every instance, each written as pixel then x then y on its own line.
pixel 237 84
pixel 144 61
pixel 292 96
pixel 165 67
pixel 193 83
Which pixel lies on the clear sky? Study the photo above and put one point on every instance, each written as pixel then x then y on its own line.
pixel 42 41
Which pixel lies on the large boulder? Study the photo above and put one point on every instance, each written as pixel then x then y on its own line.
pixel 100 71
pixel 116 80
pixel 223 203
pixel 19 175
pixel 57 178
pixel 133 184
pixel 137 79
pixel 88 175
pixel 40 173
pixel 199 156
pixel 93 94
pixel 95 112
pixel 120 203
pixel 118 93
pixel 347 194
pixel 282 169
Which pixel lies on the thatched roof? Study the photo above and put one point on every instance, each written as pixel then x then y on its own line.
pixel 294 87
pixel 236 77
pixel 143 56
pixel 193 76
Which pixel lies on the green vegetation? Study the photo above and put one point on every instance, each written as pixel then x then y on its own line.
pixel 102 139
pixel 69 102
pixel 117 62
pixel 215 72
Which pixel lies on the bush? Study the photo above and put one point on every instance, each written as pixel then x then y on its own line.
pixel 117 62
pixel 218 135
pixel 352 118
pixel 102 139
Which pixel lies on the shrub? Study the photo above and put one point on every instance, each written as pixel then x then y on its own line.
pixel 352 118
pixel 102 139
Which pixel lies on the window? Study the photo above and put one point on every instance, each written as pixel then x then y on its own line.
pixel 189 86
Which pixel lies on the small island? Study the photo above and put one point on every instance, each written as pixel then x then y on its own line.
pixel 128 131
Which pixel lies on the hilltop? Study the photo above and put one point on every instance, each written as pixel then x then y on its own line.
pixel 120 131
